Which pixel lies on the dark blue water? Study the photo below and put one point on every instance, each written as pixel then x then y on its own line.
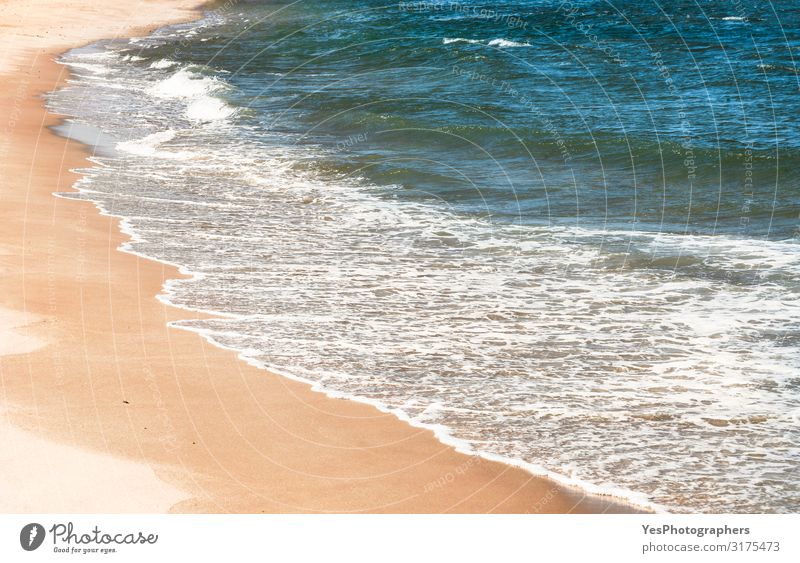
pixel 674 116
pixel 564 234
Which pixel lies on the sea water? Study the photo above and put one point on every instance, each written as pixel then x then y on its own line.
pixel 562 234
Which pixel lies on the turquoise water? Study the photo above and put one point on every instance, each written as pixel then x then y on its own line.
pixel 564 234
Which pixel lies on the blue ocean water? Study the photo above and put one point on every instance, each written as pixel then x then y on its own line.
pixel 564 234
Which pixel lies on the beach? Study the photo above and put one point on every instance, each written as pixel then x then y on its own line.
pixel 107 409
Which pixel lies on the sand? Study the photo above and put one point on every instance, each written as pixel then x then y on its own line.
pixel 13 339
pixel 103 407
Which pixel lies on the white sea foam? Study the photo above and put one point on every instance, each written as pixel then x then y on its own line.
pixel 448 40
pixel 95 54
pixel 147 145
pixel 163 63
pixel 150 146
pixel 209 109
pixel 186 84
pixel 93 68
pixel 506 43
pixel 493 43
pixel 202 105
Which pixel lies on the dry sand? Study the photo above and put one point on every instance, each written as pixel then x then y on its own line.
pixel 105 408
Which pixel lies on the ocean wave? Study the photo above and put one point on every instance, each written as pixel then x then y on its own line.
pixel 186 84
pixel 148 146
pixel 209 109
pixel 506 43
pixel 492 43
pixel 97 55
pixel 448 40
pixel 93 68
pixel 163 63
pixel 198 90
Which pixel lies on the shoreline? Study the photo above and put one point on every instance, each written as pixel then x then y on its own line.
pixel 255 442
